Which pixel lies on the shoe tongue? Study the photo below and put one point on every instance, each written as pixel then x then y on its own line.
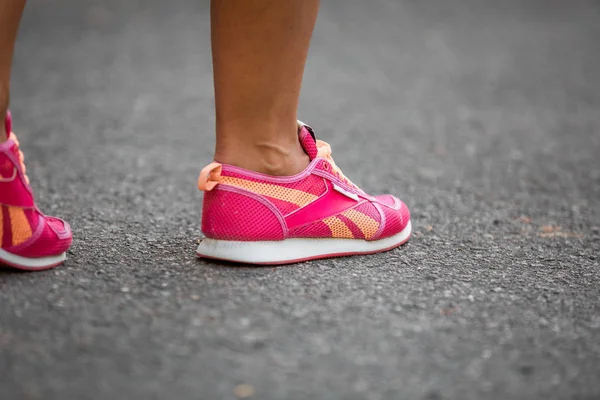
pixel 308 141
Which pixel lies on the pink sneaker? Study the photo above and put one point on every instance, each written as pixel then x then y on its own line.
pixel 29 240
pixel 254 218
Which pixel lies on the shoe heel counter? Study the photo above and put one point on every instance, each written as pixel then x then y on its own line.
pixel 236 214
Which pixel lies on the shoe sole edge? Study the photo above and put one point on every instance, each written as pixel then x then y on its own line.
pixel 296 249
pixel 31 264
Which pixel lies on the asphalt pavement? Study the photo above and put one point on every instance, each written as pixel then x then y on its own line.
pixel 482 115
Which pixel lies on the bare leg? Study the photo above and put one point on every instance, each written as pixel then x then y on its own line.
pixel 259 51
pixel 10 16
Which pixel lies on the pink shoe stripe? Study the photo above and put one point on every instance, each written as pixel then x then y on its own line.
pixel 381 221
pixel 329 204
pixel 6 229
pixel 356 232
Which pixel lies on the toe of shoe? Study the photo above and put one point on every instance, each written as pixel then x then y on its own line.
pixel 396 216
pixel 55 238
pixel 388 200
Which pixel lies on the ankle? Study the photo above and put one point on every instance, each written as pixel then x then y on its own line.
pixel 269 145
pixel 3 134
pixel 266 157
pixel 4 97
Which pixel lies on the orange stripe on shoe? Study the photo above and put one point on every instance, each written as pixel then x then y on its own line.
pixel 338 228
pixel 21 231
pixel 366 224
pixel 293 196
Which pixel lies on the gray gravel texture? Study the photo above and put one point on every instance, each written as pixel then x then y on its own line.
pixel 483 116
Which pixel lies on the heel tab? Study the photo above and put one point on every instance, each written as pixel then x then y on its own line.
pixel 210 176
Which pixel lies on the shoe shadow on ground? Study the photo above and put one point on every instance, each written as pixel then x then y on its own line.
pixel 6 271
pixel 237 267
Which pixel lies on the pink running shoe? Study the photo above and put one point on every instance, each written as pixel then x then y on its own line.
pixel 255 218
pixel 29 240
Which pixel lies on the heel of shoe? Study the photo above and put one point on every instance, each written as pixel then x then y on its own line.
pixel 230 213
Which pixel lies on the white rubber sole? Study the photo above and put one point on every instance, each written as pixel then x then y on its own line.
pixel 31 264
pixel 295 250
